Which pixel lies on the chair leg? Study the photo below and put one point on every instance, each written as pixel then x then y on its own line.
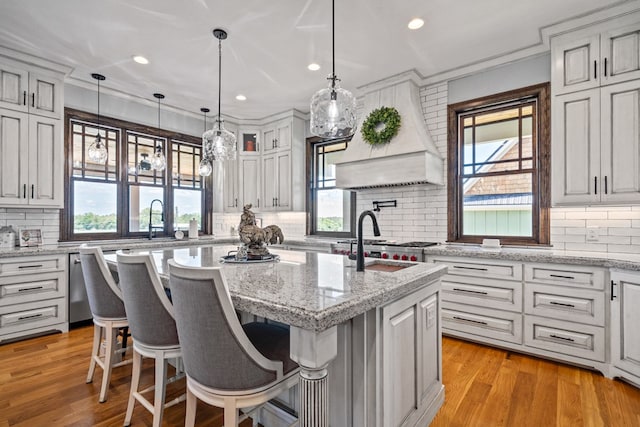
pixel 160 388
pixel 230 413
pixel 190 418
pixel 95 351
pixel 108 362
pixel 135 382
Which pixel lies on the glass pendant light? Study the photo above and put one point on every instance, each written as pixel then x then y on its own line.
pixel 157 160
pixel 98 149
pixel 333 109
pixel 205 162
pixel 218 142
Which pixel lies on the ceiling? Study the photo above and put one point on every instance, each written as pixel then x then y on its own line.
pixel 270 43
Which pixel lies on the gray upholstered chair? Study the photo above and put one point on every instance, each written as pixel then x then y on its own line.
pixel 227 364
pixel 153 328
pixel 109 316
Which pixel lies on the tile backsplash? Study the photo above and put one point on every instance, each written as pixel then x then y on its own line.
pixel 292 224
pixel 46 220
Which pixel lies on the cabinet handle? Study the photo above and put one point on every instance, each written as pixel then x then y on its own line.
pixel 561 338
pixel 276 142
pixel 561 303
pixel 595 185
pixel 235 203
pixel 76 261
pixel 560 276
pixel 33 100
pixel 470 268
pixel 605 67
pixel 24 191
pixel 30 266
pixel 258 204
pixel 595 69
pixel 35 288
pixel 470 291
pixel 605 185
pixel 24 98
pixel 30 317
pixel 469 320
pixel 277 202
pixel 273 202
pixel 32 190
pixel 612 295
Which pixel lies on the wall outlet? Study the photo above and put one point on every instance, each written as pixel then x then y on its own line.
pixel 431 315
pixel 593 234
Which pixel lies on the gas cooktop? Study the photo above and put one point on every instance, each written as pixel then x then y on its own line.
pixel 391 243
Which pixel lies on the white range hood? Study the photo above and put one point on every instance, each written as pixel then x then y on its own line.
pixel 410 157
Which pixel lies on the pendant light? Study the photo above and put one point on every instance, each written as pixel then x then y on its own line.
pixel 205 162
pixel 98 149
pixel 158 161
pixel 333 109
pixel 219 143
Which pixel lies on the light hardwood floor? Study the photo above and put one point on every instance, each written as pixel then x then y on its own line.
pixel 42 384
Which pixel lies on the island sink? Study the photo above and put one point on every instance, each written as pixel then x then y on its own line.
pixel 387 266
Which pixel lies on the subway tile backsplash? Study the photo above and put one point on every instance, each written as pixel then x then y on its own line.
pixel 47 220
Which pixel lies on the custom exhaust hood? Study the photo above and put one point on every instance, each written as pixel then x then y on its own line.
pixel 410 157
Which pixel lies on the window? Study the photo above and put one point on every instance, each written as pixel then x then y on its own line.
pixel 114 200
pixel 331 211
pixel 499 168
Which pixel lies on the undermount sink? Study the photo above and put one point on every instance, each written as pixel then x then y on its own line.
pixel 387 266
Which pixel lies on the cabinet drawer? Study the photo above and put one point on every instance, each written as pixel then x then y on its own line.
pixel 22 317
pixel 30 265
pixel 565 275
pixel 481 268
pixel 563 337
pixel 488 323
pixel 489 293
pixel 40 286
pixel 575 305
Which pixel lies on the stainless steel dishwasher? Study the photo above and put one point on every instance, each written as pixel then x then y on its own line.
pixel 79 310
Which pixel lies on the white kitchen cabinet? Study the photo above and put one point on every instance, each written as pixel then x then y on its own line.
pixel 277 136
pixel 599 57
pixel 249 180
pixel 596 146
pixel 33 295
pixel 625 320
pixel 276 181
pixel 31 156
pixel 231 186
pixel 25 89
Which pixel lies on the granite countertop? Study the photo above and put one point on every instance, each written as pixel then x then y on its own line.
pixel 313 291
pixel 596 259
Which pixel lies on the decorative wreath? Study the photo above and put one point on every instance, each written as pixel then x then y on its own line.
pixel 389 117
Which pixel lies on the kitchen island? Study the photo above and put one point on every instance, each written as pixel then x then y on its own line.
pixel 368 343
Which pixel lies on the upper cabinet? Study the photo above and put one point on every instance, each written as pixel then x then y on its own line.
pixel 277 136
pixel 593 60
pixel 30 91
pixel 31 146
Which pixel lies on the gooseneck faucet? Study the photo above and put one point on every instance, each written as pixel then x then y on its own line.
pixel 151 226
pixel 360 249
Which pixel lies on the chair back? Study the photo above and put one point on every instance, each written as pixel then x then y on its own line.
pixel 215 349
pixel 105 298
pixel 149 310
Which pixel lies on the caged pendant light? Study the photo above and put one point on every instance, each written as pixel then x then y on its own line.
pixel 219 144
pixel 98 149
pixel 157 160
pixel 333 109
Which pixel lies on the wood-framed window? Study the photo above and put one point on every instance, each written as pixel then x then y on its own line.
pixel 499 168
pixel 113 200
pixel 330 210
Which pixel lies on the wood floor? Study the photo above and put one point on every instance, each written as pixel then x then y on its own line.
pixel 42 383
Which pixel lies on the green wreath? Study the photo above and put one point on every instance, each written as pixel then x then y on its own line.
pixel 389 117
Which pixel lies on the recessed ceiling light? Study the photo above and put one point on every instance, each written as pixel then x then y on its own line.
pixel 141 59
pixel 313 66
pixel 416 23
pixel 241 97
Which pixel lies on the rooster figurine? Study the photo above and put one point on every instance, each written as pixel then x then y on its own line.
pixel 256 238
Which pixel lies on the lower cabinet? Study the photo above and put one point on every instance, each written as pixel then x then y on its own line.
pixel 33 295
pixel 625 322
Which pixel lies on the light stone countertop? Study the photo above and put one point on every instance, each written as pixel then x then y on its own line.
pixel 596 259
pixel 313 291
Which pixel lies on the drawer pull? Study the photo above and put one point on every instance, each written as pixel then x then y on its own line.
pixel 470 291
pixel 561 303
pixel 35 288
pixel 469 320
pixel 561 338
pixel 31 266
pixel 470 268
pixel 560 276
pixel 30 317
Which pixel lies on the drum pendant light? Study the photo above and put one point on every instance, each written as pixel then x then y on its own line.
pixel 98 149
pixel 333 109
